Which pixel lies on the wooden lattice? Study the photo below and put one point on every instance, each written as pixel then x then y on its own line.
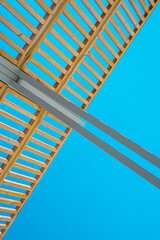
pixel 67 43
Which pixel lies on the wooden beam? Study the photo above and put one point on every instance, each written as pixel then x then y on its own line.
pixel 91 40
pixel 68 131
pixel 42 34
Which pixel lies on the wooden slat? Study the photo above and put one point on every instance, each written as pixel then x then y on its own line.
pixel 44 69
pixel 125 49
pixel 22 177
pixel 22 145
pixel 92 10
pixel 94 95
pixel 19 109
pixel 9 140
pixel 82 15
pixel 70 33
pixel 51 60
pixel 15 30
pixel 103 55
pixel 86 78
pixel 3 160
pixel 14 119
pixel 27 169
pixel 31 160
pixel 110 1
pixel 6 150
pixel 16 185
pixel 64 42
pixel 81 86
pixel 11 129
pixel 119 30
pixel 8 210
pixel 31 11
pixel 12 193
pixel 24 99
pixel 137 10
pixel 57 51
pixel 32 150
pixel 144 5
pixel 10 58
pixel 152 2
pixel 55 1
pixel 41 35
pixel 3 89
pixel 129 14
pixel 48 136
pixel 11 43
pixel 76 23
pixel 5 218
pixel 113 38
pixel 42 144
pixel 44 6
pixel 19 16
pixel 101 6
pixel 3 226
pixel 92 71
pixel 108 46
pixel 98 63
pixel 10 201
pixel 76 94
pixel 124 23
pixel 44 123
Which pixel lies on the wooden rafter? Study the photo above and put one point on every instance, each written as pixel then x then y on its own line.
pixel 38 119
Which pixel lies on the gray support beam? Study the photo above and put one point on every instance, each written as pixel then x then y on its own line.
pixel 22 88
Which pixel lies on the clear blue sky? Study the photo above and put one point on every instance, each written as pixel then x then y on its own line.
pixel 85 193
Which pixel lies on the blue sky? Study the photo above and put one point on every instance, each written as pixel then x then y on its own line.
pixel 86 194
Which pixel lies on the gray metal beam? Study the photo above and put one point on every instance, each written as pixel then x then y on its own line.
pixel 25 85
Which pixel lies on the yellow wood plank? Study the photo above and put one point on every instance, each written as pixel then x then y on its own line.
pixel 15 30
pixel 137 10
pixel 31 160
pixel 19 109
pixel 82 14
pixel 113 38
pixel 11 129
pixel 38 39
pixel 27 169
pixel 88 45
pixel 44 6
pixel 5 218
pixel 10 201
pixel 92 10
pixel 16 185
pixel 19 16
pixel 70 33
pixel 12 193
pixel 130 15
pixel 22 177
pixel 11 43
pixel 8 210
pixel 124 23
pixel 48 136
pixel 9 140
pixel 31 11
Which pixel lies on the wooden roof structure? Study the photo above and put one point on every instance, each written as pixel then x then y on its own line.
pixel 60 43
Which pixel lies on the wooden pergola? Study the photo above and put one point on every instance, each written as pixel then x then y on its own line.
pixel 93 34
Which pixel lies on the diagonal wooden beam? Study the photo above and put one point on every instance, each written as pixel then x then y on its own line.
pixel 126 46
pixel 94 35
pixel 68 131
pixel 41 36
